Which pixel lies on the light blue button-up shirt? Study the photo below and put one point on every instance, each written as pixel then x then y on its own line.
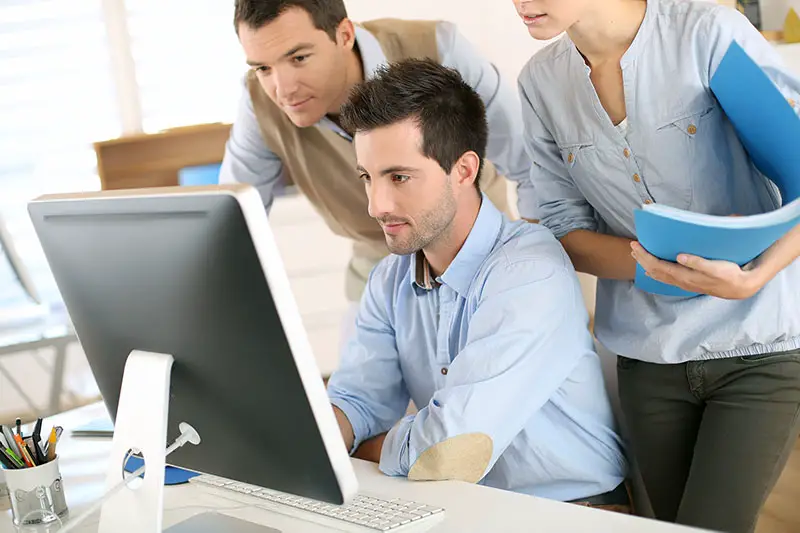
pixel 498 346
pixel 680 150
pixel 248 159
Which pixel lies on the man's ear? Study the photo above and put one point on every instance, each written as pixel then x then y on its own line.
pixel 346 34
pixel 467 168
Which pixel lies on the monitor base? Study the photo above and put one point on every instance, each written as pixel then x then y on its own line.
pixel 218 523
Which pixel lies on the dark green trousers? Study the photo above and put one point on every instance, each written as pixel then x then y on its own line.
pixel 711 437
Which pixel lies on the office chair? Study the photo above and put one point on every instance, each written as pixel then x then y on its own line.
pixel 17 266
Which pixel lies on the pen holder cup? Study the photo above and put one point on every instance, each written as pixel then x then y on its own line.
pixel 36 494
pixel 3 486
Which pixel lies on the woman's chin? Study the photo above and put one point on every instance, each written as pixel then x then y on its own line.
pixel 545 32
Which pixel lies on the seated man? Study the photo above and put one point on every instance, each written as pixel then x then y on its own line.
pixel 479 320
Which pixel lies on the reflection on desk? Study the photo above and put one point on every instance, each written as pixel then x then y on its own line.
pixel 468 507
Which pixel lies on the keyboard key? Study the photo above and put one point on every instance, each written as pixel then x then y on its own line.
pixel 368 511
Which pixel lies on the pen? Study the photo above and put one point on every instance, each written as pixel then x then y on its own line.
pixel 37 439
pixel 30 445
pixel 7 462
pixel 52 440
pixel 12 444
pixel 19 427
pixel 23 451
pixel 41 457
pixel 14 458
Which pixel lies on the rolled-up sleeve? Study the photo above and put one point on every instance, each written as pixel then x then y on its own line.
pixel 368 386
pixel 505 147
pixel 562 207
pixel 515 358
pixel 247 158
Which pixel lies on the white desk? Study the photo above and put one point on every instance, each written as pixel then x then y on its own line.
pixel 468 507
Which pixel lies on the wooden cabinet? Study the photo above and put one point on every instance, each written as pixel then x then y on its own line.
pixel 153 160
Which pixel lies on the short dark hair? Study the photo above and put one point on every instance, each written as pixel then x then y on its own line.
pixel 326 14
pixel 449 112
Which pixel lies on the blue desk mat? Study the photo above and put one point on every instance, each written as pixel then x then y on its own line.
pixel 172 475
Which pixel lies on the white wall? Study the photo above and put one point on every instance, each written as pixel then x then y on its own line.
pixel 491 25
pixel 773 12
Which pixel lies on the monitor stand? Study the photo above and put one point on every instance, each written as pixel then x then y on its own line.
pixel 141 426
pixel 218 523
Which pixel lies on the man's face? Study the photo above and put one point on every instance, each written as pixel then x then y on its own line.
pixel 412 198
pixel 301 69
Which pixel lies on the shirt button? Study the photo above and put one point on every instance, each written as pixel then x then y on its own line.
pixel 444 371
pixel 570 158
pixel 692 129
pixel 626 153
pixel 636 178
pixel 791 102
pixel 648 201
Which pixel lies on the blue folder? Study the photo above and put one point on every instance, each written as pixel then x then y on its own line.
pixel 769 129
pixel 172 475
pixel 100 427
pixel 199 175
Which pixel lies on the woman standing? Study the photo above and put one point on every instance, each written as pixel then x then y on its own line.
pixel 619 113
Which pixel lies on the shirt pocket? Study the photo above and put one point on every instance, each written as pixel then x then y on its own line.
pixel 578 158
pixel 684 149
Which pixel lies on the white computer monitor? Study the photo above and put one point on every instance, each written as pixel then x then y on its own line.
pixel 191 282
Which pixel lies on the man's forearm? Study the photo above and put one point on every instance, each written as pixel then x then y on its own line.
pixel 345 427
pixel 370 449
pixel 604 256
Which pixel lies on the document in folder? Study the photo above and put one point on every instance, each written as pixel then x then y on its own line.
pixel 769 129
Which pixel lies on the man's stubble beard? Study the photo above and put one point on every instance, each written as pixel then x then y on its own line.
pixel 431 226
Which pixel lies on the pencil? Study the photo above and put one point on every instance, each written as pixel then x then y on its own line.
pixel 52 440
pixel 23 449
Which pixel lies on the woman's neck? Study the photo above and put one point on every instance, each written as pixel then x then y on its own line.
pixel 606 32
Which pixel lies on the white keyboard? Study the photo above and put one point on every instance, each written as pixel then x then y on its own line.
pixel 369 512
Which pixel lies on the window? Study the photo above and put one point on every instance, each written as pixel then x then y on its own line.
pixel 56 97
pixel 76 72
pixel 189 64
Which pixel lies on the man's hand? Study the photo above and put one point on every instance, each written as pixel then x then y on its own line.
pixel 345 427
pixel 722 279
pixel 370 450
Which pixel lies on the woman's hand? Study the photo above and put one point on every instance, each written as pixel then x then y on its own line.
pixel 722 279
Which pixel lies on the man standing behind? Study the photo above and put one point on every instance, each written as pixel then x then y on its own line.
pixel 305 56
pixel 478 319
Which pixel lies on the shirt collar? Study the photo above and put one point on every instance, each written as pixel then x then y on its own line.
pixel 422 273
pixel 372 56
pixel 650 13
pixel 479 244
